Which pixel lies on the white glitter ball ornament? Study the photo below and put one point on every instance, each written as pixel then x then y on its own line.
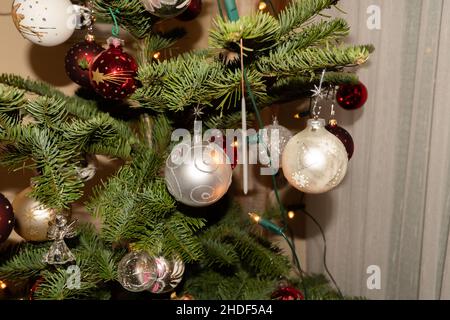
pixel 44 22
pixel 314 161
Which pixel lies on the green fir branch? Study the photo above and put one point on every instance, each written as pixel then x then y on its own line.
pixel 131 15
pixel 179 237
pixel 308 61
pixel 258 31
pixel 10 98
pixel 299 12
pixel 47 112
pixel 316 34
pixel 27 262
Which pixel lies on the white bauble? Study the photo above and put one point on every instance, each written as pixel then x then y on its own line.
pixel 44 22
pixel 314 161
pixel 274 139
pixel 166 8
pixel 198 175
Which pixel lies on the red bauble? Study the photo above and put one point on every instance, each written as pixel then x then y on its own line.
pixel 113 72
pixel 229 147
pixel 78 60
pixel 287 293
pixel 6 218
pixel 34 288
pixel 352 96
pixel 342 135
pixel 192 11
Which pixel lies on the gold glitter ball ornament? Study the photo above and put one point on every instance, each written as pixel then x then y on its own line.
pixel 32 218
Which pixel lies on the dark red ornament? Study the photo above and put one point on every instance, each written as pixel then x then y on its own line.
pixel 342 135
pixel 352 96
pixel 287 293
pixel 192 11
pixel 34 288
pixel 113 72
pixel 6 218
pixel 78 60
pixel 229 147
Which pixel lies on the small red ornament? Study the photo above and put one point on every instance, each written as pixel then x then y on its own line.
pixel 352 96
pixel 6 218
pixel 342 135
pixel 230 148
pixel 192 11
pixel 113 72
pixel 287 293
pixel 78 60
pixel 34 288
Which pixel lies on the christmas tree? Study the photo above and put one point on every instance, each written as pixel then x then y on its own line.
pixel 151 237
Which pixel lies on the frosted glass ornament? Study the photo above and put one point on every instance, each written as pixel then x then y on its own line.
pixel 33 219
pixel 198 175
pixel 314 161
pixel 44 22
pixel 274 139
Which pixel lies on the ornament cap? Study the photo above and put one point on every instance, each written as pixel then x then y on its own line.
pixel 89 37
pixel 115 42
pixel 275 121
pixel 316 123
pixel 333 122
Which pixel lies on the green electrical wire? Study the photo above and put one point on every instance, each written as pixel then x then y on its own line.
pixel 261 124
pixel 297 264
pixel 272 227
pixel 219 5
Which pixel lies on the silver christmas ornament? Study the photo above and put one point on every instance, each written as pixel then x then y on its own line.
pixel 166 8
pixel 198 175
pixel 136 271
pixel 314 161
pixel 273 140
pixel 169 273
pixel 44 22
pixel 88 168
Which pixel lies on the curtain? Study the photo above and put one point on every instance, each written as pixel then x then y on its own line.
pixel 393 209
